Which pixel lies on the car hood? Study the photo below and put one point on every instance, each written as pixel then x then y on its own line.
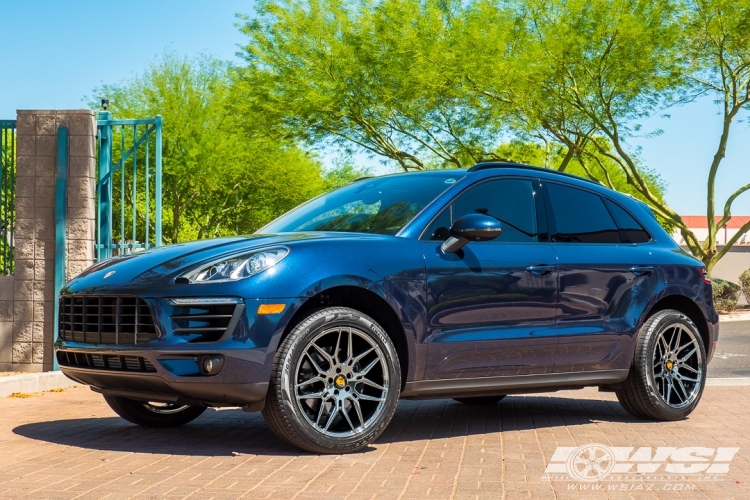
pixel 172 260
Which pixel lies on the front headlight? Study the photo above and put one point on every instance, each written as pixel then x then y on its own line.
pixel 236 267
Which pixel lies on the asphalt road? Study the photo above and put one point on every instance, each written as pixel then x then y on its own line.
pixel 732 357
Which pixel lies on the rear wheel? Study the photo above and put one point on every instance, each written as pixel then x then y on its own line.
pixel 335 383
pixel 668 374
pixel 151 414
pixel 480 400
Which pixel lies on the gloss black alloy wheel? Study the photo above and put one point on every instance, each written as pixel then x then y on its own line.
pixel 153 414
pixel 668 374
pixel 335 383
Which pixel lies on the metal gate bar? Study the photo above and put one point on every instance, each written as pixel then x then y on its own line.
pixel 107 244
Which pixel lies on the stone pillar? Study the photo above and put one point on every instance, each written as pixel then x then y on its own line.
pixel 33 282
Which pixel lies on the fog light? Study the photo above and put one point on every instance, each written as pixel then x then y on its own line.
pixel 211 365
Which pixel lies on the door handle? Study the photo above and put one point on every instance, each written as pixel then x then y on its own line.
pixel 540 269
pixel 641 270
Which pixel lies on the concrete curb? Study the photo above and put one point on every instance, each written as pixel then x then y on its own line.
pixel 34 382
pixel 726 318
pixel 728 382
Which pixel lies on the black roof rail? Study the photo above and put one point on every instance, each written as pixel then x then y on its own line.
pixel 485 165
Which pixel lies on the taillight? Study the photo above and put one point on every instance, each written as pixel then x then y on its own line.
pixel 705 277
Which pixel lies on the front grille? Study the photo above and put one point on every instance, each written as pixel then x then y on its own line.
pixel 106 319
pixel 202 322
pixel 105 362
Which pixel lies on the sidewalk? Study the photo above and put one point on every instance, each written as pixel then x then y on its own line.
pixel 71 445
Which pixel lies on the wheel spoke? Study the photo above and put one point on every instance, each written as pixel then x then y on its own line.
pixel 346 416
pixel 360 356
pixel 682 388
pixel 336 349
pixel 684 378
pixel 689 368
pixel 372 384
pixel 320 412
pixel 331 416
pixel 358 409
pixel 367 397
pixel 664 345
pixel 688 344
pixel 350 348
pixel 312 395
pixel 687 356
pixel 676 337
pixel 315 364
pixel 324 354
pixel 316 378
pixel 369 367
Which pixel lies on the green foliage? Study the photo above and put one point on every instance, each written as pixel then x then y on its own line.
pixel 745 284
pixel 7 210
pixel 216 179
pixel 426 84
pixel 726 294
pixel 605 171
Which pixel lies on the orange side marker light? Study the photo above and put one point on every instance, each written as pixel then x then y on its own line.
pixel 271 308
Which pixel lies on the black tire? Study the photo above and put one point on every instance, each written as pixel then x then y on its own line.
pixel 331 400
pixel 153 415
pixel 646 393
pixel 480 400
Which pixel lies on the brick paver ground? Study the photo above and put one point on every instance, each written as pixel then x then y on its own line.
pixel 71 445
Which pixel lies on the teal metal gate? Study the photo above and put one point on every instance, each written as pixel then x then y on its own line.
pixel 129 210
pixel 7 195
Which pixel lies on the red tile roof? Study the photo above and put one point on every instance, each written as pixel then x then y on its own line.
pixel 700 221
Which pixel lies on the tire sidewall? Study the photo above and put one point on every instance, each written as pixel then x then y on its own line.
pixel 665 320
pixel 299 339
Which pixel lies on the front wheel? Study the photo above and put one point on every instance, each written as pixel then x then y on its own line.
pixel 150 414
pixel 335 383
pixel 668 374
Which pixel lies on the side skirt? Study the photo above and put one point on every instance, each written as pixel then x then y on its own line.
pixel 513 384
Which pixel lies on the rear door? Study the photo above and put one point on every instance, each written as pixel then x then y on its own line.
pixel 607 275
pixel 491 306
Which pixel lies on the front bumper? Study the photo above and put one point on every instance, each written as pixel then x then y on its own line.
pixel 239 383
pixel 167 367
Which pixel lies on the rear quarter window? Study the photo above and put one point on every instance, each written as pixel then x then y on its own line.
pixel 631 230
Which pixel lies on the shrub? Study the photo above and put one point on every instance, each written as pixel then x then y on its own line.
pixel 725 294
pixel 745 284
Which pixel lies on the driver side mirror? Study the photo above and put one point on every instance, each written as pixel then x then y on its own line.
pixel 472 227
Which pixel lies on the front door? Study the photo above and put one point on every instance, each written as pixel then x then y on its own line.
pixel 491 306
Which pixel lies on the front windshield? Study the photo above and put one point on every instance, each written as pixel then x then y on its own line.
pixel 381 205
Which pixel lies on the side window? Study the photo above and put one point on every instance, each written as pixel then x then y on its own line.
pixel 630 230
pixel 580 216
pixel 511 201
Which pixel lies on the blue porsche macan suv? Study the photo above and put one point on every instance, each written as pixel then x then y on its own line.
pixel 466 284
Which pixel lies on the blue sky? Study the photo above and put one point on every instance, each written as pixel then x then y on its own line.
pixel 53 53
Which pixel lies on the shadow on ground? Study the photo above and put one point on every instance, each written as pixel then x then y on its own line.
pixel 230 431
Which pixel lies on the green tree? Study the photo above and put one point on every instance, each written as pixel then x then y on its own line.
pixel 377 76
pixel 7 210
pixel 435 83
pixel 217 179
pixel 427 84
pixel 718 51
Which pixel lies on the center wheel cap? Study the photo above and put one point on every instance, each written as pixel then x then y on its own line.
pixel 669 365
pixel 340 381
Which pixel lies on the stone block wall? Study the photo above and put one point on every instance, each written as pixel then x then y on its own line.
pixel 27 298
